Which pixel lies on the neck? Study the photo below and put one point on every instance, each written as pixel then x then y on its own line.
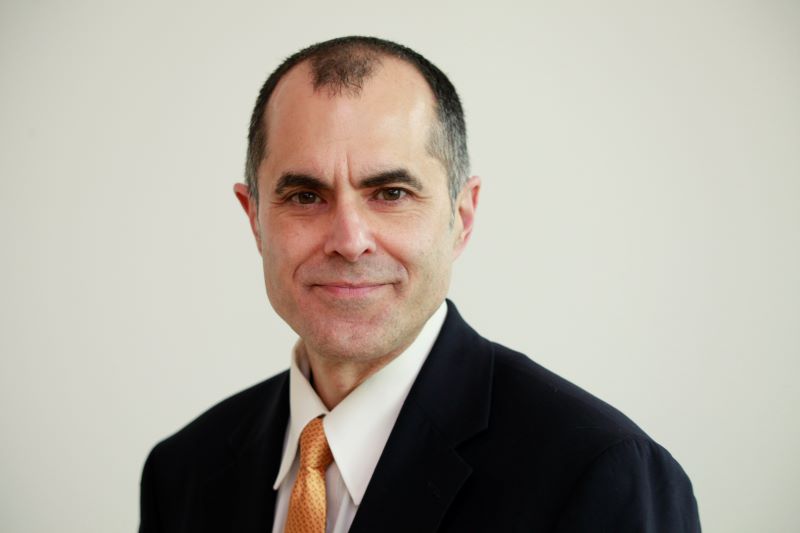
pixel 334 379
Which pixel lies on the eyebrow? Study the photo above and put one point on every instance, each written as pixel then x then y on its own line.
pixel 300 181
pixel 291 180
pixel 391 177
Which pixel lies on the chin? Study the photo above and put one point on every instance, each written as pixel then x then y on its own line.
pixel 349 342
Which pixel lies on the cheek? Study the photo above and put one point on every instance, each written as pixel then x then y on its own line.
pixel 285 247
pixel 424 250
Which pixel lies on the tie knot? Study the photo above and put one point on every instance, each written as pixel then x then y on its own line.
pixel 314 450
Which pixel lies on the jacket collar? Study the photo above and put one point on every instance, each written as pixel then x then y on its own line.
pixel 420 468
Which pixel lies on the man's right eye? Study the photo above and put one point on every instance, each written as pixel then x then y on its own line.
pixel 304 198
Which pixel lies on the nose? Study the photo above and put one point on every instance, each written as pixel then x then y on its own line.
pixel 349 235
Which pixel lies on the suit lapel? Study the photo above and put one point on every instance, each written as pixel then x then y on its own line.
pixel 420 471
pixel 243 490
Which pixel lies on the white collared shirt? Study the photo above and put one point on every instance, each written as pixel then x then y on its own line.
pixel 357 428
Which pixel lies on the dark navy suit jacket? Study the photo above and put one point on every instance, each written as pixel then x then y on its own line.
pixel 487 441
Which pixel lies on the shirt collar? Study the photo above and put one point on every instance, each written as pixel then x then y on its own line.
pixel 359 426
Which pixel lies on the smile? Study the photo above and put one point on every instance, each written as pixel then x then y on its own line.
pixel 349 290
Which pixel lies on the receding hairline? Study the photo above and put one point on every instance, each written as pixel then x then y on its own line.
pixel 381 61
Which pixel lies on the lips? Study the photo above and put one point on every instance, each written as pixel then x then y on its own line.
pixel 349 284
pixel 346 289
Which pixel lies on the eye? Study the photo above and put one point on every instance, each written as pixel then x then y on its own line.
pixel 392 194
pixel 304 198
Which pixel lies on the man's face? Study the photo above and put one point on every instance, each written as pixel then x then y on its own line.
pixel 354 222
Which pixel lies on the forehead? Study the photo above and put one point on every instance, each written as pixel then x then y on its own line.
pixel 391 115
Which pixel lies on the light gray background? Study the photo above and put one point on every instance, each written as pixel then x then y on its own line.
pixel 639 229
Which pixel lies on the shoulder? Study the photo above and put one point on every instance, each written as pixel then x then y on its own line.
pixel 525 401
pixel 543 424
pixel 207 438
pixel 632 485
pixel 580 460
pixel 525 390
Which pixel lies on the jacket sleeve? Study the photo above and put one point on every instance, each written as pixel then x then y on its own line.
pixel 633 486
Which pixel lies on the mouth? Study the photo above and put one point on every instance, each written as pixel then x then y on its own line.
pixel 342 289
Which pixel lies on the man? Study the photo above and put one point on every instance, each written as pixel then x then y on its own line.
pixel 395 415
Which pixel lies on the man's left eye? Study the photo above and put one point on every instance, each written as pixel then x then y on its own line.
pixel 391 195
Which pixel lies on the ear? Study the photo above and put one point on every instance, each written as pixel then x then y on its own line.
pixel 466 204
pixel 250 206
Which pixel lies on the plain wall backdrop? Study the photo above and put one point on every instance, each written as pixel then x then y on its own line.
pixel 638 232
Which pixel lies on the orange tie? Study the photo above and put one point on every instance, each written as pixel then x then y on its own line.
pixel 307 505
